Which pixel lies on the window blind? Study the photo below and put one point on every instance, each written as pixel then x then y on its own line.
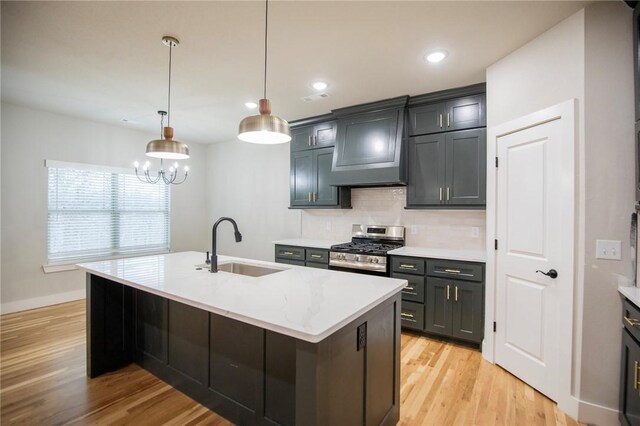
pixel 103 213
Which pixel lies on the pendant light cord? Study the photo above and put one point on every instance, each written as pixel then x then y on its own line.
pixel 169 96
pixel 266 24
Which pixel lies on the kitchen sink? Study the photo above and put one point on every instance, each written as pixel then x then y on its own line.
pixel 244 269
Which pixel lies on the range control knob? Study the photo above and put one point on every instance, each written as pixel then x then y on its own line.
pixel 375 260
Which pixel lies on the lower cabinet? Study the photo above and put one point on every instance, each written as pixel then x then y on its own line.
pixel 630 366
pixel 302 256
pixel 442 297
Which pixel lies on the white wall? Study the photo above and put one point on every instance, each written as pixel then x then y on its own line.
pixel 250 183
pixel 587 57
pixel 28 138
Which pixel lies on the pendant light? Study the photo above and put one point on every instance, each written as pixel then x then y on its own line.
pixel 264 128
pixel 166 147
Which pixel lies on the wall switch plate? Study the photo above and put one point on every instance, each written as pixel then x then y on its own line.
pixel 414 229
pixel 609 249
pixel 475 232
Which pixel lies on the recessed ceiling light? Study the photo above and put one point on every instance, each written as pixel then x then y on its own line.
pixel 436 56
pixel 251 105
pixel 319 85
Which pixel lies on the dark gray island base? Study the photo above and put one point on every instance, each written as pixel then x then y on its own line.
pixel 245 373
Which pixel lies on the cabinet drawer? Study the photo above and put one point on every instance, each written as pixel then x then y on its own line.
pixel 456 270
pixel 407 265
pixel 317 256
pixel 414 291
pixel 317 265
pixel 412 315
pixel 289 252
pixel 631 318
pixel 290 261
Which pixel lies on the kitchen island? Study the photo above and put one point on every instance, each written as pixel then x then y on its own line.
pixel 293 346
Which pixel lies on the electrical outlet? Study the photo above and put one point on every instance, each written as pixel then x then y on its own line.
pixel 475 232
pixel 609 249
pixel 414 229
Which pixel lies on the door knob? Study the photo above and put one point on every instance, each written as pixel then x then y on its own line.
pixel 551 274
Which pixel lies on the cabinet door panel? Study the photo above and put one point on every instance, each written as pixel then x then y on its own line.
pixel 426 119
pixel 151 325
pixel 466 113
pixel 325 134
pixel 426 170
pixel 629 392
pixel 380 366
pixel 466 167
pixel 326 195
pixel 468 319
pixel 236 360
pixel 301 177
pixel 301 138
pixel 437 306
pixel 188 340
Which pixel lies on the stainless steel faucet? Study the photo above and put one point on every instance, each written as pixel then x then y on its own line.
pixel 214 256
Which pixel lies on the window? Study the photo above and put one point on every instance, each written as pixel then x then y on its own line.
pixel 100 212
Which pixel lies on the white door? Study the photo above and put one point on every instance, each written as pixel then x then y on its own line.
pixel 534 229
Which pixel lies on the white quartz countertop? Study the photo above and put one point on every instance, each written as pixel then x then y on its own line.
pixel 306 303
pixel 303 242
pixel 631 293
pixel 464 255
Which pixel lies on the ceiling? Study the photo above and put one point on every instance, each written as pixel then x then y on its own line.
pixel 104 61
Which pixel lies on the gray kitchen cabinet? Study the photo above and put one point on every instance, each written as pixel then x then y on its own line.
pixel 151 314
pixel 302 256
pixel 313 136
pixel 443 115
pixel 630 366
pixel 442 297
pixel 448 170
pixel 310 170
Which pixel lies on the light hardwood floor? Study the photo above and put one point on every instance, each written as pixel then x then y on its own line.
pixel 43 382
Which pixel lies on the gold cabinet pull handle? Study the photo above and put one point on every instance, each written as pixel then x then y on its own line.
pixel 631 321
pixel 447 291
pixel 447 193
pixel 314 140
pixel 406 266
pixel 448 120
pixel 309 197
pixel 452 271
pixel 406 315
pixel 440 194
pixel 316 255
pixel 314 197
pixel 441 121
pixel 408 287
pixel 456 295
pixel 287 253
pixel 635 375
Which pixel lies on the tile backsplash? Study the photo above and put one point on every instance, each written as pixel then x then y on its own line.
pixel 447 229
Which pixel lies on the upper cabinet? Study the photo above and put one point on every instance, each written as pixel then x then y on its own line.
pixel 369 144
pixel 311 158
pixel 313 136
pixel 447 149
pixel 457 114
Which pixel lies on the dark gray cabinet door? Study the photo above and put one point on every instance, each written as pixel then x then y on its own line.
pixel 236 360
pixel 301 185
pixel 466 113
pixel 189 341
pixel 427 119
pixel 466 164
pixel 151 325
pixel 437 307
pixel 324 134
pixel 426 170
pixel 629 394
pixel 301 138
pixel 467 311
pixel 325 194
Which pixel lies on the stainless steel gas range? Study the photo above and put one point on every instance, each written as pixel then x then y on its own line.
pixel 367 251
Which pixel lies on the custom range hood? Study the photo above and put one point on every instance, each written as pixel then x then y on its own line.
pixel 370 144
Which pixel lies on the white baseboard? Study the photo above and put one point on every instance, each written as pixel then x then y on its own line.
pixel 595 414
pixel 39 302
